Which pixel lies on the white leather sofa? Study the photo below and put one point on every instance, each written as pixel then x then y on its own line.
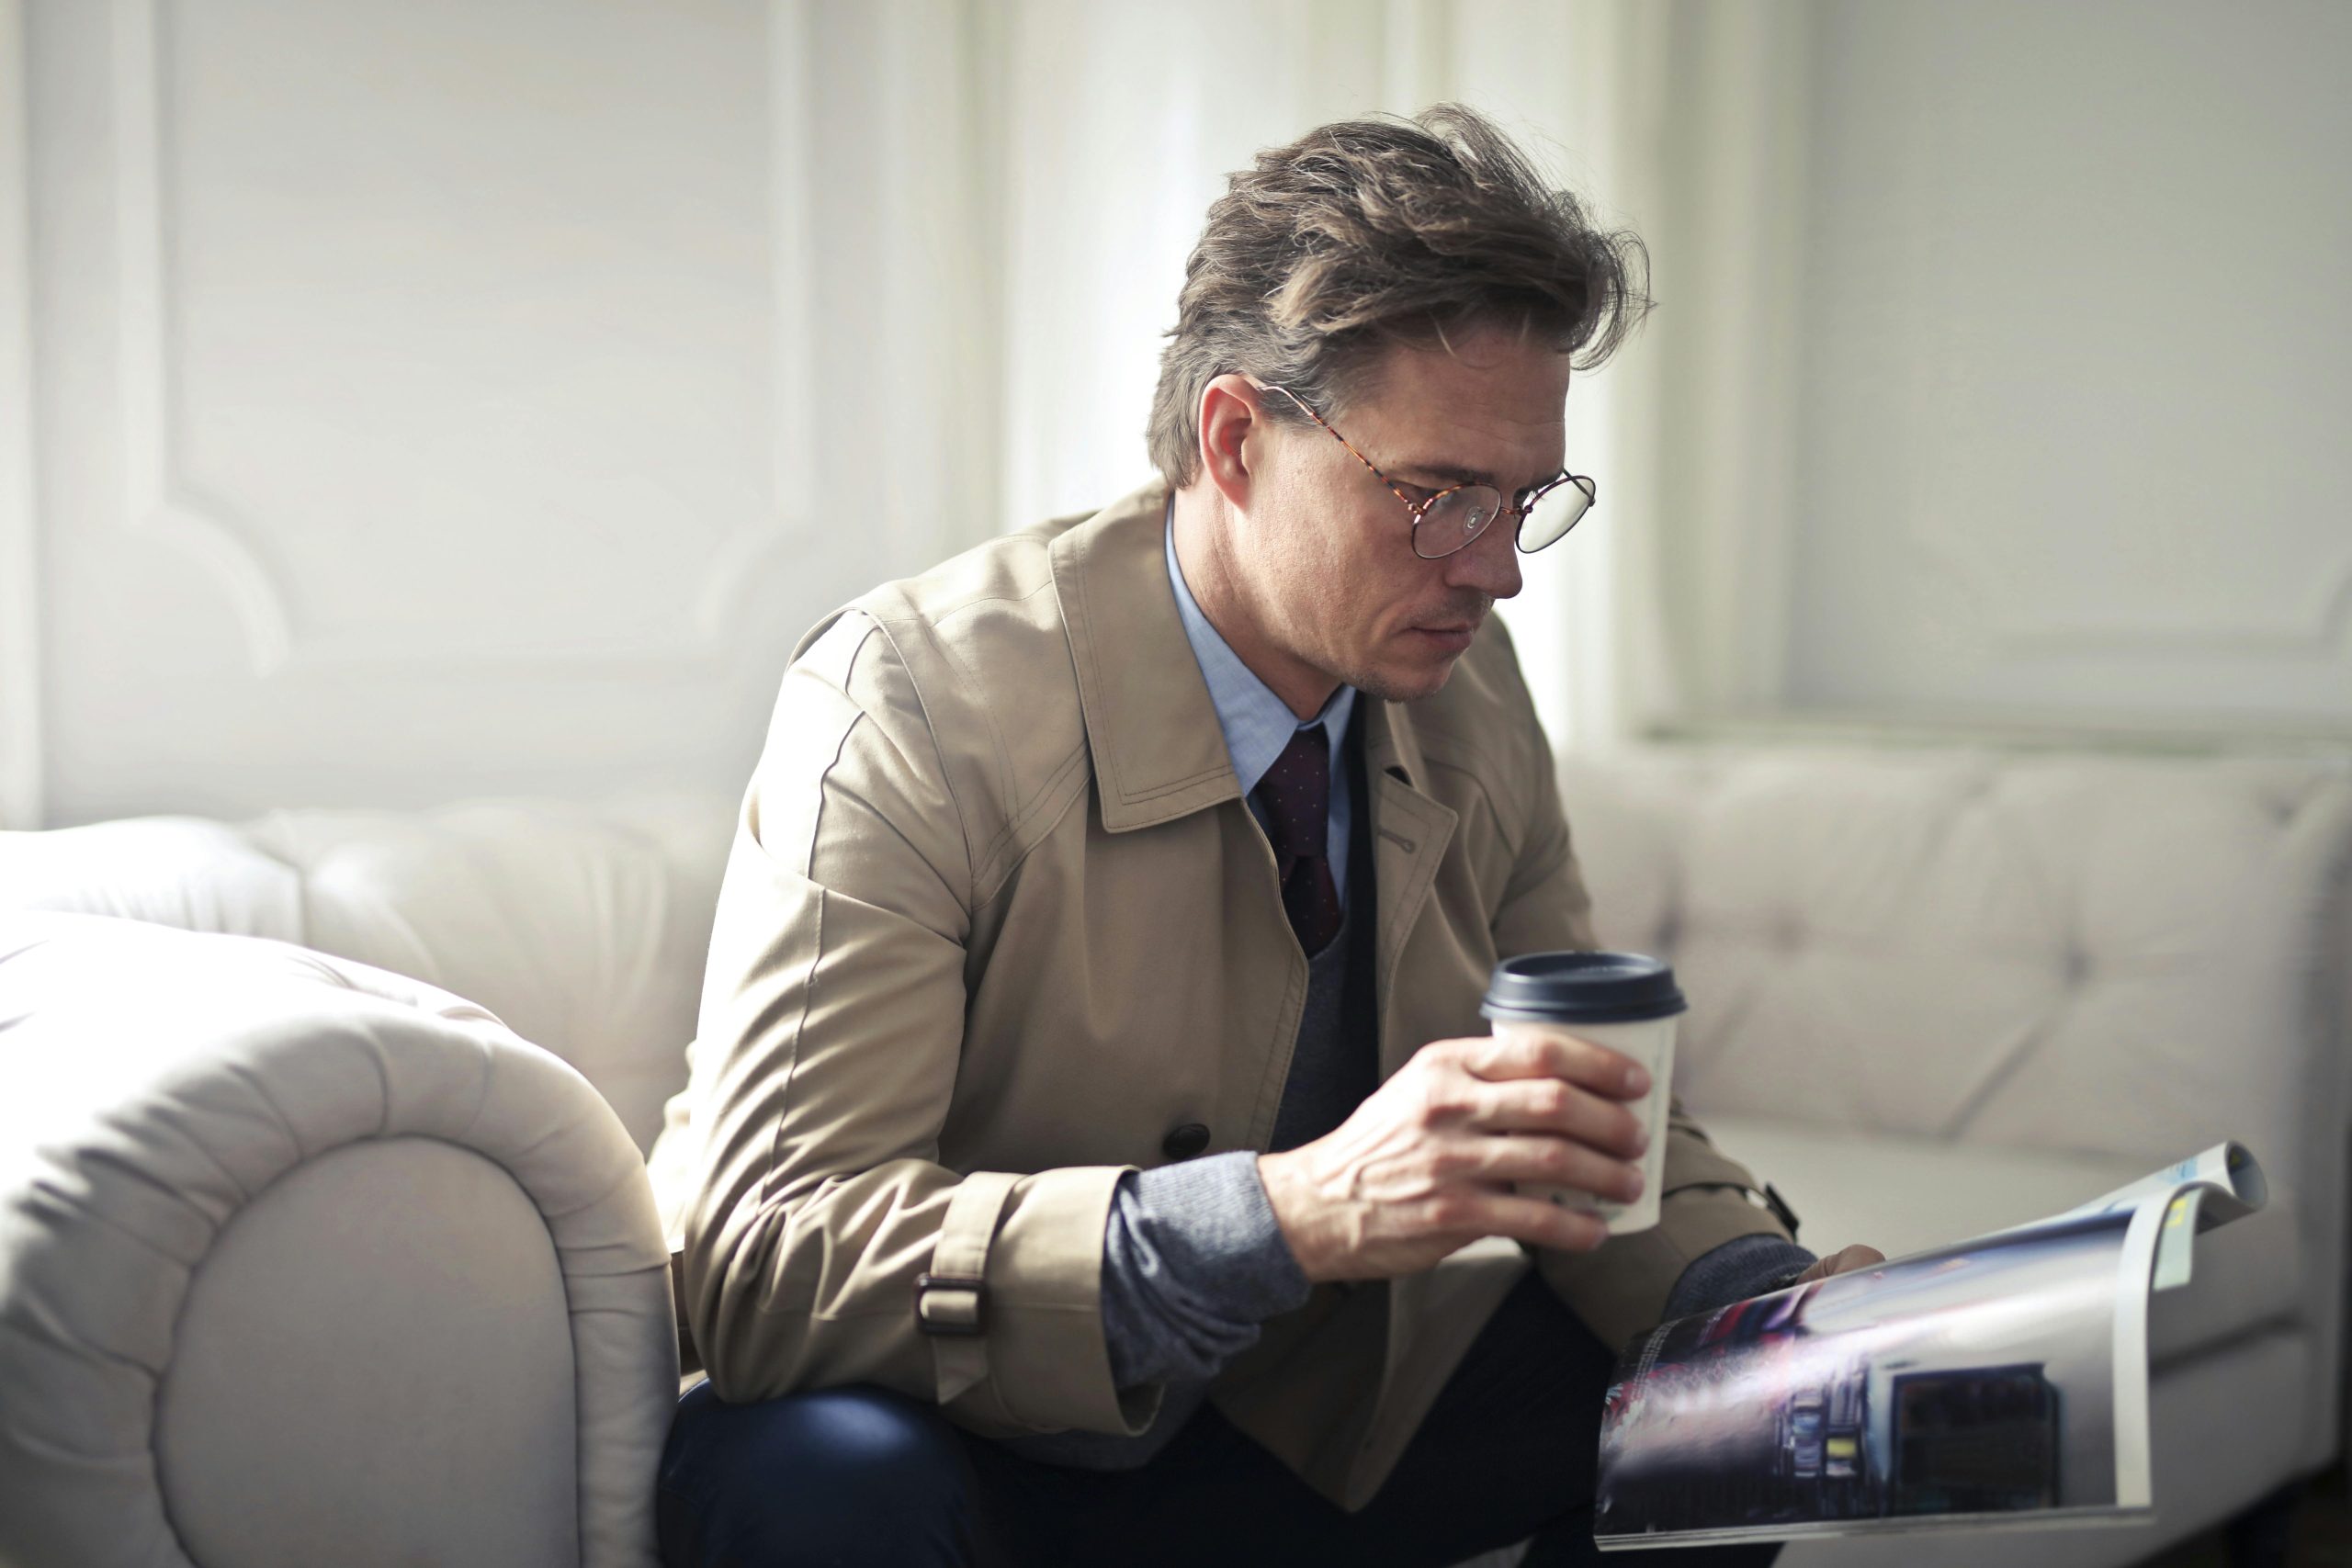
pixel 306 1256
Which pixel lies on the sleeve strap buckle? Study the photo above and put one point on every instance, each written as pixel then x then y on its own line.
pixel 951 1303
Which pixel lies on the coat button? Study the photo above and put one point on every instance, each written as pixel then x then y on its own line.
pixel 1184 1142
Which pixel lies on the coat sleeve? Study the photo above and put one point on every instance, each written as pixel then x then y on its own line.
pixel 828 1043
pixel 1620 1288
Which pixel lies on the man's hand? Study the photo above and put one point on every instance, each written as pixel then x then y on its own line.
pixel 1837 1263
pixel 1424 1166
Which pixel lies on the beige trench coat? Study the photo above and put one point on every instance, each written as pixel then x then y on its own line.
pixel 996 920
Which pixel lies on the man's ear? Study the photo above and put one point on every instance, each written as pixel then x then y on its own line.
pixel 1230 416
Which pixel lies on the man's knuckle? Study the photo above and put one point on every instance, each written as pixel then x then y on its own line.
pixel 1450 1210
pixel 1576 1168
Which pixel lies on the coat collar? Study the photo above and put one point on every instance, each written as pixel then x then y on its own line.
pixel 1151 724
pixel 1158 750
pixel 1160 754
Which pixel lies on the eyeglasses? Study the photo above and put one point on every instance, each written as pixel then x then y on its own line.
pixel 1450 518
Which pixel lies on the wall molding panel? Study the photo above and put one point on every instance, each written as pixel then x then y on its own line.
pixel 2063 451
pixel 232 547
pixel 150 505
pixel 438 401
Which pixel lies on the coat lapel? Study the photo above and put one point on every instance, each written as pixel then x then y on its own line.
pixel 1410 835
pixel 1158 750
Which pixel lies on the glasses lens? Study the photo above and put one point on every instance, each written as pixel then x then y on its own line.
pixel 1555 513
pixel 1454 519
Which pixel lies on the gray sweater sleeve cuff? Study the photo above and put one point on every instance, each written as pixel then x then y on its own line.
pixel 1743 1266
pixel 1193 1262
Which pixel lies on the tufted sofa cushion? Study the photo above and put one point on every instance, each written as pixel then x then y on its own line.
pixel 582 927
pixel 2106 956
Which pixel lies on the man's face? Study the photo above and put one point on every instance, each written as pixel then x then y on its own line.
pixel 1327 549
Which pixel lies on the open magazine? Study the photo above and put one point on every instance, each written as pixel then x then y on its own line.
pixel 2002 1380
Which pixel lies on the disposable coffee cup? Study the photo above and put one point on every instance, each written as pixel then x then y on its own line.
pixel 1625 1001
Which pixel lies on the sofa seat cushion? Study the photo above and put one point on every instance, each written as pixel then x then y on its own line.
pixel 1904 1195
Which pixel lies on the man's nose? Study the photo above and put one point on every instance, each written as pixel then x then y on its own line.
pixel 1490 563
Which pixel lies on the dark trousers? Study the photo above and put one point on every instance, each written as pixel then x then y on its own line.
pixel 861 1474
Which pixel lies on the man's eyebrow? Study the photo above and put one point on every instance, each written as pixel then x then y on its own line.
pixel 1456 473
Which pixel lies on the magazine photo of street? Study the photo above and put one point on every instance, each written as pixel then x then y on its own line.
pixel 1977 1380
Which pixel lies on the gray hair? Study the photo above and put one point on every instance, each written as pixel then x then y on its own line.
pixel 1367 232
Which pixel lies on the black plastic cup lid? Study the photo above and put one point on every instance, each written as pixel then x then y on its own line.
pixel 1583 987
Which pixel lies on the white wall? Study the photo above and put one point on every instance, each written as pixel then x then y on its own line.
pixel 437 398
pixel 21 783
pixel 404 403
pixel 2050 427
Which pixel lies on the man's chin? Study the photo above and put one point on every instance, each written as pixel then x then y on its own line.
pixel 1406 686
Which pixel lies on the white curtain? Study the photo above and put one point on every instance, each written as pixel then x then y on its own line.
pixel 993 203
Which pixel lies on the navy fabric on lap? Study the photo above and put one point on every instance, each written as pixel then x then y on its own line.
pixel 864 1476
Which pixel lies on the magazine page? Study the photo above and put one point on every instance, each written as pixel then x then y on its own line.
pixel 2228 1167
pixel 2223 1184
pixel 2000 1381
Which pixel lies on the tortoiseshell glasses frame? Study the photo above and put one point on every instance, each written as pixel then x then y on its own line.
pixel 1460 513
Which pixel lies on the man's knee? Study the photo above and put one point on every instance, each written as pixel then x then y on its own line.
pixel 852 1475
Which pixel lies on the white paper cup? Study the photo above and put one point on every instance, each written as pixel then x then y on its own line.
pixel 1587 997
pixel 1650 1043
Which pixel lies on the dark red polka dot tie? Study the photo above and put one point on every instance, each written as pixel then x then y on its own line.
pixel 1296 795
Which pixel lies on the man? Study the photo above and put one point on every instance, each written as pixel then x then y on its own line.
pixel 1091 1113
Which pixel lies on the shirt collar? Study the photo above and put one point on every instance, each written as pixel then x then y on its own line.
pixel 1258 724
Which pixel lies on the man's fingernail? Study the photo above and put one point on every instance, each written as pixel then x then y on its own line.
pixel 1637 1080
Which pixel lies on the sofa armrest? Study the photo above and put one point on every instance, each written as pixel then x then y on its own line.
pixel 302 1260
